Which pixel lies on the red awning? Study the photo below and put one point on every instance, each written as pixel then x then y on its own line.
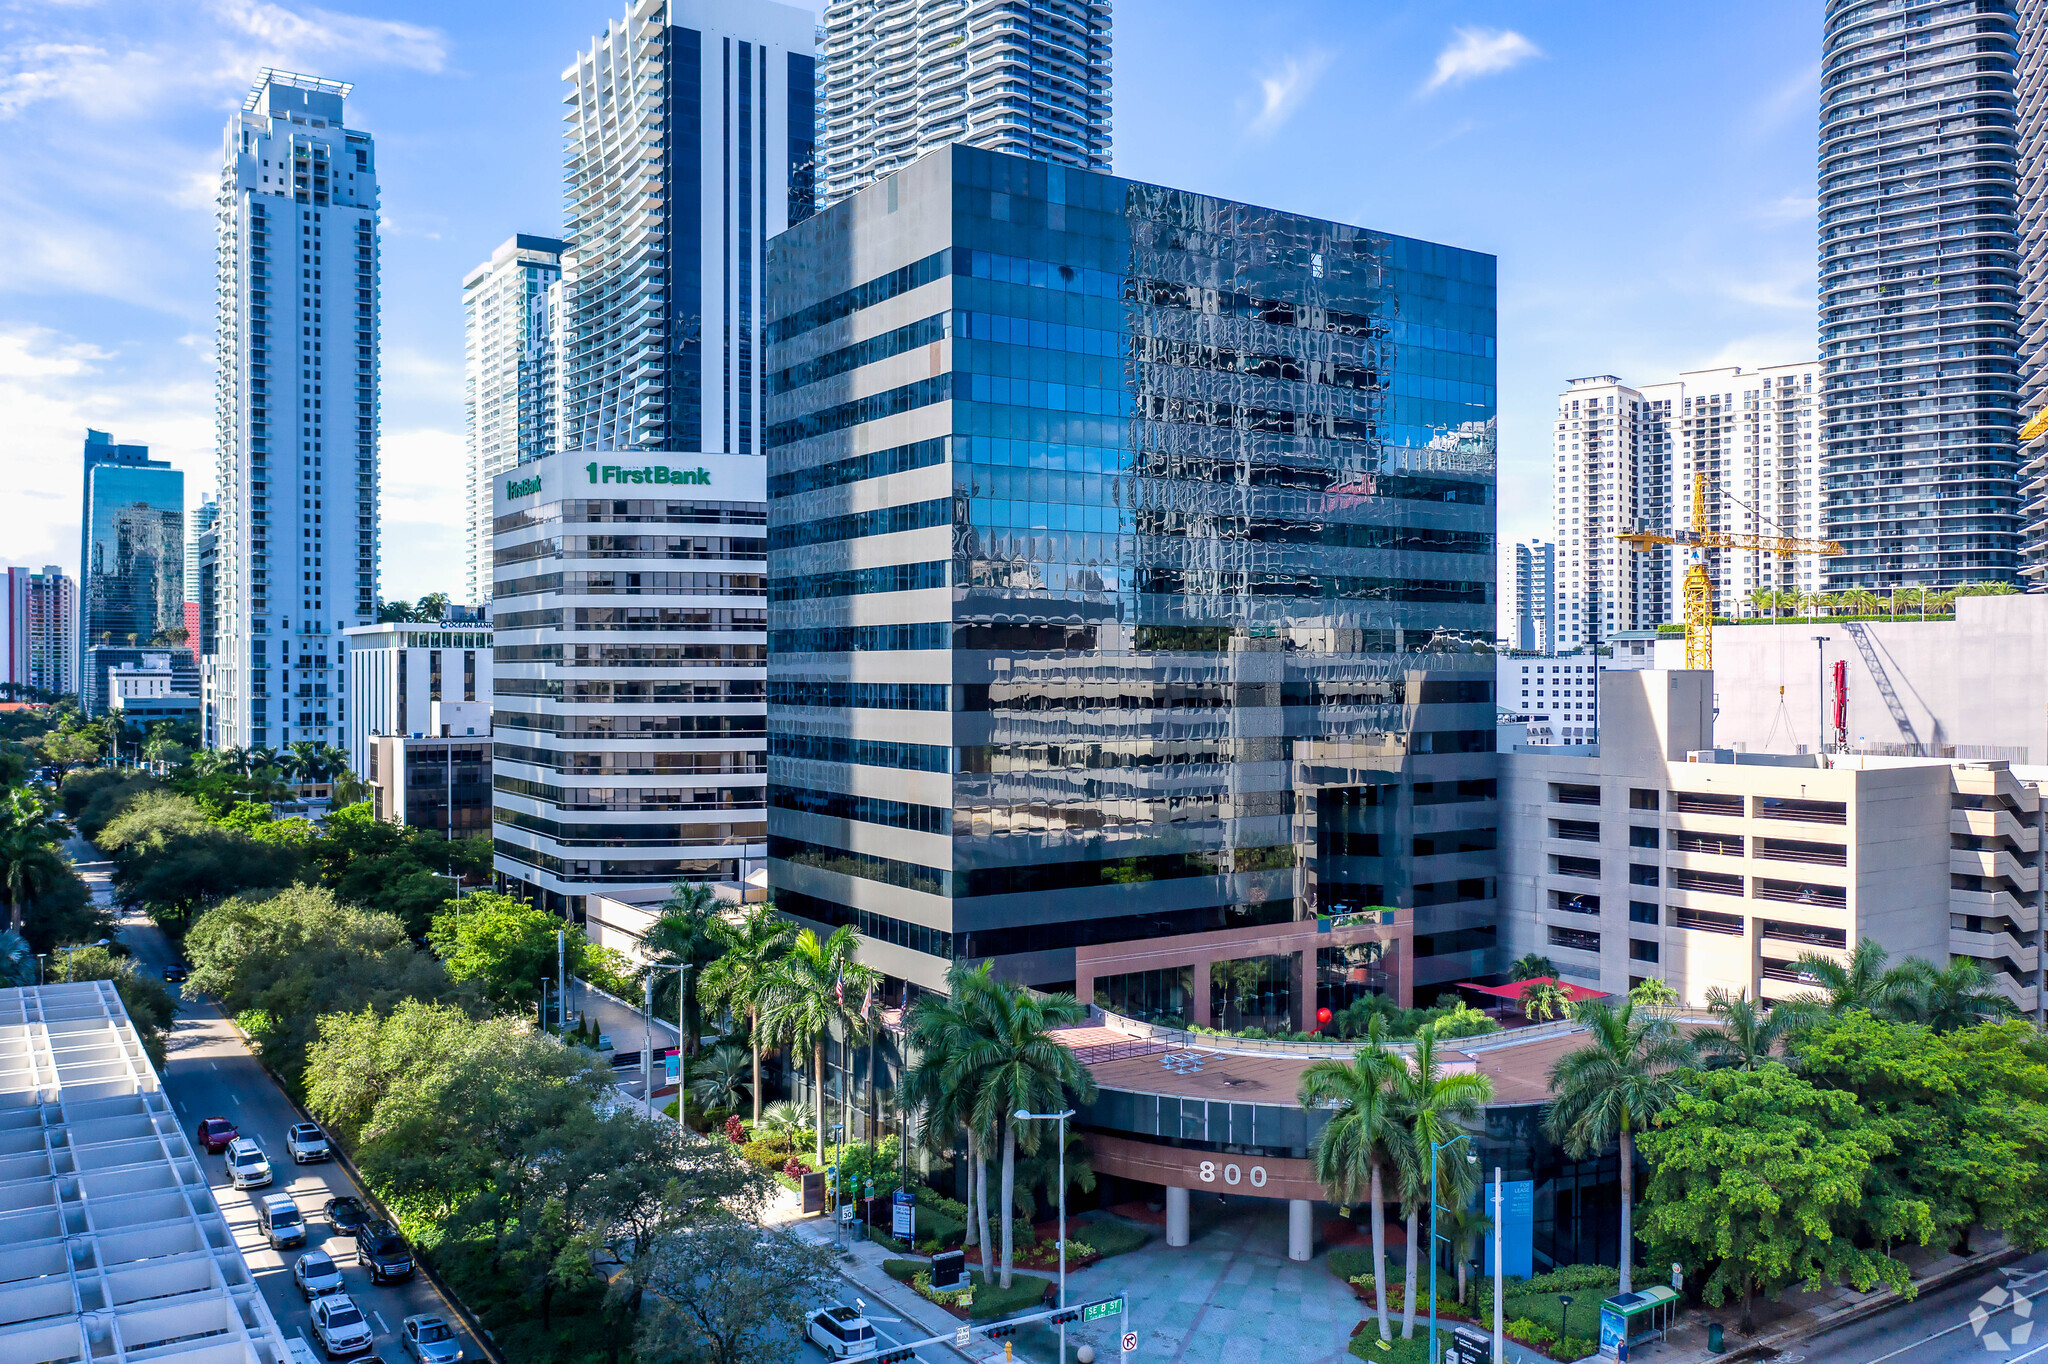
pixel 1515 989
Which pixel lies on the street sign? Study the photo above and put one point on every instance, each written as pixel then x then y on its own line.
pixel 903 1215
pixel 672 1062
pixel 1130 1341
pixel 962 1335
pixel 1108 1307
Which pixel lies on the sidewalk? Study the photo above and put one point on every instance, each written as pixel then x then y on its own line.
pixel 860 1262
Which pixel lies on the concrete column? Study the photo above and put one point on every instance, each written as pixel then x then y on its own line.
pixel 1176 1215
pixel 1198 991
pixel 1301 1241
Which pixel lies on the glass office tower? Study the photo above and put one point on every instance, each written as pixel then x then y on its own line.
pixel 1131 578
pixel 131 572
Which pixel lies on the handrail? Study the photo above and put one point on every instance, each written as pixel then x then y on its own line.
pixel 1344 1050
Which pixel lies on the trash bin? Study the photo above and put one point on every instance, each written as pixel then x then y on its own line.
pixel 1714 1345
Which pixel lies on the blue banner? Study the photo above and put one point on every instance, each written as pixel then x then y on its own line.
pixel 1517 1226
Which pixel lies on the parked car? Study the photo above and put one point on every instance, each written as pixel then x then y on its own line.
pixel 430 1340
pixel 307 1143
pixel 317 1275
pixel 347 1215
pixel 339 1326
pixel 279 1220
pixel 214 1135
pixel 841 1332
pixel 248 1167
pixel 381 1248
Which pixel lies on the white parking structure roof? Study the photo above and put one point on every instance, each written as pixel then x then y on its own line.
pixel 112 1248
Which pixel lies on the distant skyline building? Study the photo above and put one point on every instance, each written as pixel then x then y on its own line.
pixel 1920 327
pixel 131 558
pixel 904 78
pixel 41 639
pixel 2031 95
pixel 508 381
pixel 297 412
pixel 1625 458
pixel 1531 593
pixel 687 146
pixel 198 521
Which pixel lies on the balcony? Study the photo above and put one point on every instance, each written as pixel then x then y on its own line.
pixel 1992 945
pixel 1968 862
pixel 1995 823
pixel 1802 811
pixel 1707 803
pixel 1994 904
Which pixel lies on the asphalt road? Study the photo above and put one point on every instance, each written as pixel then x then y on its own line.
pixel 209 1072
pixel 1997 1316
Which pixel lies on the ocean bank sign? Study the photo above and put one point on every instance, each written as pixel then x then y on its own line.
pixel 614 473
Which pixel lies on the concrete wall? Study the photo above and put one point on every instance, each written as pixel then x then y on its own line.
pixel 1979 682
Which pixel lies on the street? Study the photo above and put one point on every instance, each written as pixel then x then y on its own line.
pixel 1990 1317
pixel 209 1072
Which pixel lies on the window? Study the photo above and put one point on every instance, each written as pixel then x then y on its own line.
pixel 1588 867
pixel 1565 794
pixel 1706 803
pixel 1796 850
pixel 1800 893
pixel 1806 933
pixel 1640 949
pixel 1642 876
pixel 1641 912
pixel 1706 921
pixel 1569 902
pixel 1642 838
pixel 1712 882
pixel 1576 830
pixel 1807 811
pixel 1691 840
pixel 1578 939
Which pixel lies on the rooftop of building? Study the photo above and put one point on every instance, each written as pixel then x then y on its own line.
pixel 111 1245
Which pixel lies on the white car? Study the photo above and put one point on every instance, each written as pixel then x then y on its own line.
pixel 841 1332
pixel 339 1326
pixel 248 1167
pixel 317 1275
pixel 307 1143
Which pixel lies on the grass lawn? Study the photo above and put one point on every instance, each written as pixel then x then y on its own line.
pixel 1366 1344
pixel 1545 1309
pixel 1026 1291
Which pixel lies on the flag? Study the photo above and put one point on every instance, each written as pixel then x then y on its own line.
pixel 839 990
pixel 867 999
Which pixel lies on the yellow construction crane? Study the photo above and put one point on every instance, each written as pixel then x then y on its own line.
pixel 1699 584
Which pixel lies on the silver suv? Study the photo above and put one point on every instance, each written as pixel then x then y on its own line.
pixel 279 1220
pixel 306 1143
pixel 248 1167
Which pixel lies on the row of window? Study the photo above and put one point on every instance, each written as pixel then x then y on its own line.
pixel 854 582
pixel 1722 803
pixel 1704 841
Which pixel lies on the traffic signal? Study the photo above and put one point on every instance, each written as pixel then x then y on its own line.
pixel 1061 1318
pixel 999 1331
pixel 896 1356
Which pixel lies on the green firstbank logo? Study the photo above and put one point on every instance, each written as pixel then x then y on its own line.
pixel 523 487
pixel 613 473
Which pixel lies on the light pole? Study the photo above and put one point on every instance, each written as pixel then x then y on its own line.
pixel 1061 1118
pixel 1471 1158
pixel 67 951
pixel 1820 740
pixel 1499 1245
pixel 681 968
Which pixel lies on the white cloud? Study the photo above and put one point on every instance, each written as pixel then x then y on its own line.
pixel 1283 90
pixel 325 33
pixel 1478 52
pixel 422 471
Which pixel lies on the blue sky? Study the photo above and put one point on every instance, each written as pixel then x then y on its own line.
pixel 1644 173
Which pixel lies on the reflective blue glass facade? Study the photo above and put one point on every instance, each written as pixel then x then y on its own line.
pixel 131 582
pixel 1132 570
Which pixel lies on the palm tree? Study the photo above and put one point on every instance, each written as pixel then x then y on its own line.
pixel 738 980
pixel 1863 982
pixel 1017 1065
pixel 782 1118
pixel 1432 1108
pixel 938 1030
pixel 29 862
pixel 1358 1145
pixel 1746 1036
pixel 1461 1224
pixel 17 960
pixel 718 1078
pixel 1613 1087
pixel 816 990
pixel 681 935
pixel 1532 967
pixel 1545 1000
pixel 1959 995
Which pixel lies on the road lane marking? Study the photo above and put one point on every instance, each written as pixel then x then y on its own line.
pixel 1966 1321
pixel 214 1064
pixel 236 1097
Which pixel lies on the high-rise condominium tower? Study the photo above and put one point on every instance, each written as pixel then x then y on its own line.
pixel 1626 458
pixel 903 77
pixel 1531 592
pixel 297 410
pixel 131 561
pixel 1919 304
pixel 508 381
pixel 38 643
pixel 688 146
pixel 2031 78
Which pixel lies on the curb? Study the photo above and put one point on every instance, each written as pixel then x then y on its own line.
pixel 341 1157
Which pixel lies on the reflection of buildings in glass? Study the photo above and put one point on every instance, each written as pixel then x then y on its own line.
pixel 132 556
pixel 1118 533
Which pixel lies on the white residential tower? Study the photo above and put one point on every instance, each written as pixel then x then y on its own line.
pixel 508 381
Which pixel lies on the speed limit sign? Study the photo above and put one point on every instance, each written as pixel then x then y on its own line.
pixel 1130 1341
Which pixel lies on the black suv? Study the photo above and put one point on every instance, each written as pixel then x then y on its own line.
pixel 381 1248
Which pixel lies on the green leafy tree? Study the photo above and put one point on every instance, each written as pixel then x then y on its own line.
pixel 1362 1141
pixel 1654 994
pixel 1018 1065
pixel 1613 1088
pixel 503 944
pixel 1745 1036
pixel 1758 1181
pixel 1433 1108
pixel 1532 967
pixel 816 991
pixel 30 834
pixel 738 980
pixel 729 1292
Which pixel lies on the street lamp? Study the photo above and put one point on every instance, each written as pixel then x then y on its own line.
pixel 1471 1158
pixel 681 968
pixel 67 951
pixel 1022 1115
pixel 450 875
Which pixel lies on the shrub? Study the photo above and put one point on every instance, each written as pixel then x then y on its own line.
pixel 1351 1263
pixel 1575 1347
pixel 795 1168
pixel 735 1130
pixel 1531 1332
pixel 1569 1279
